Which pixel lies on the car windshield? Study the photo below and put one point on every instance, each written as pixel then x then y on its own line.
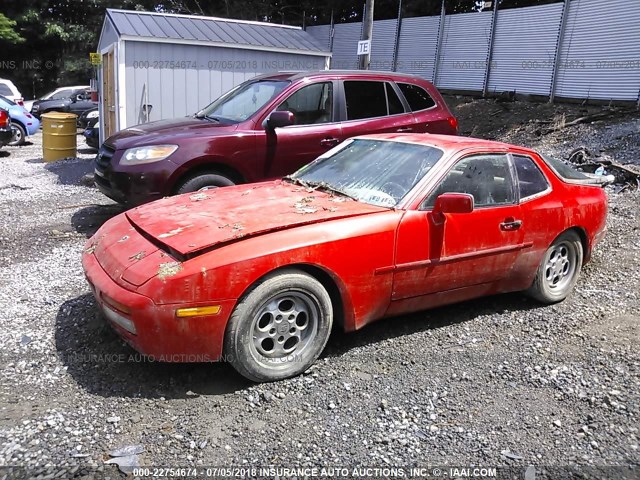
pixel 243 101
pixel 564 170
pixel 376 172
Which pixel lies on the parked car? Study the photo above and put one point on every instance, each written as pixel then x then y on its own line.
pixel 58 94
pixel 78 103
pixel 23 123
pixel 380 226
pixel 88 118
pixel 264 128
pixel 9 90
pixel 92 137
pixel 6 133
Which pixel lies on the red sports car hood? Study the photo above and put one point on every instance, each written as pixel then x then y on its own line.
pixel 193 222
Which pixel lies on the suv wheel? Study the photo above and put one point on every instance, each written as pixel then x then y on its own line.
pixel 204 181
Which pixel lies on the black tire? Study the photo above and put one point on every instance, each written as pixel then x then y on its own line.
pixel 19 135
pixel 559 269
pixel 204 180
pixel 259 340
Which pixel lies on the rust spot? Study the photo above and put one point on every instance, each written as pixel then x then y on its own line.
pixel 307 199
pixel 171 233
pixel 168 269
pixel 330 209
pixel 91 249
pixel 304 209
pixel 124 239
pixel 198 197
pixel 138 256
pixel 235 226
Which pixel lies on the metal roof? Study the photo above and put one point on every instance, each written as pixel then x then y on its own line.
pixel 199 29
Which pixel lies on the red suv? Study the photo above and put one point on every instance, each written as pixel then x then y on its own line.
pixel 264 128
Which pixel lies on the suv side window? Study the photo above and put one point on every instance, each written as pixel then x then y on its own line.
pixel 531 181
pixel 417 97
pixel 487 177
pixel 311 105
pixel 365 99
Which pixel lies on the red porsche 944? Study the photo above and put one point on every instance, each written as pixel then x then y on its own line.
pixel 380 225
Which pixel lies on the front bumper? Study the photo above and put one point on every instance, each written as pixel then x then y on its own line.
pixel 159 334
pixel 140 185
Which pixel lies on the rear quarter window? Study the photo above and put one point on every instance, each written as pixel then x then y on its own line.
pixel 563 170
pixel 5 90
pixel 417 97
pixel 531 180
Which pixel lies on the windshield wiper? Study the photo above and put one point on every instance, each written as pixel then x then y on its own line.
pixel 202 116
pixel 318 186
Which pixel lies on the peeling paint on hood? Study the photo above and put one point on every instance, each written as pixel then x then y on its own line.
pixel 227 214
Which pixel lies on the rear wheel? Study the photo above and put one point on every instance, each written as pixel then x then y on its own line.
pixel 559 270
pixel 204 181
pixel 19 135
pixel 280 327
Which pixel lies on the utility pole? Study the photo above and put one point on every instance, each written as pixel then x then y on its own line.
pixel 367 34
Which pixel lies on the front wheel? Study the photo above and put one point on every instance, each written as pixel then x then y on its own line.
pixel 204 181
pixel 559 270
pixel 19 135
pixel 280 327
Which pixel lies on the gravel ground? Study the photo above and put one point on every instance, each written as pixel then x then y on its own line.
pixel 500 381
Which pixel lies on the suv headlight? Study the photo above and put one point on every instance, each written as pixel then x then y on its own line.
pixel 150 154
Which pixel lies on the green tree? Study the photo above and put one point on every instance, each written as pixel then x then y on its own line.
pixel 7 30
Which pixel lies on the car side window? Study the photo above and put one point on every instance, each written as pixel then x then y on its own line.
pixel 417 97
pixel 311 105
pixel 365 99
pixel 531 181
pixel 487 177
pixel 62 94
pixel 5 90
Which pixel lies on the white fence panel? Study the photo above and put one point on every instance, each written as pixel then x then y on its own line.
pixel 384 39
pixel 524 49
pixel 417 46
pixel 464 51
pixel 345 46
pixel 600 51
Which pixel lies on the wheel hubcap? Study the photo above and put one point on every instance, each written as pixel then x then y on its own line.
pixel 285 325
pixel 560 266
pixel 17 135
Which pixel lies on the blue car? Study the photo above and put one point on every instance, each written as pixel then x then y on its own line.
pixel 22 122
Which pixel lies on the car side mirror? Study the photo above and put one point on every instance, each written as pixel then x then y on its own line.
pixel 452 203
pixel 280 119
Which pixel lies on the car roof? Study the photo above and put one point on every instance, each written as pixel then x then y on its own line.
pixel 292 76
pixel 445 142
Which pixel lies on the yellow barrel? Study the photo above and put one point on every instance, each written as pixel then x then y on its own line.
pixel 58 136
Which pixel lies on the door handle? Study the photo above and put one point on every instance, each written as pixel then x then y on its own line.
pixel 329 142
pixel 510 224
pixel 404 129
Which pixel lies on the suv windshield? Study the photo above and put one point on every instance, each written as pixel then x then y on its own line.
pixel 564 170
pixel 243 101
pixel 376 172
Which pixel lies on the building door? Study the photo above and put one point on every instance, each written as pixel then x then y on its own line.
pixel 108 94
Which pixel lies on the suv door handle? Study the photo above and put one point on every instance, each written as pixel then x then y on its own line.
pixel 404 129
pixel 510 224
pixel 329 142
